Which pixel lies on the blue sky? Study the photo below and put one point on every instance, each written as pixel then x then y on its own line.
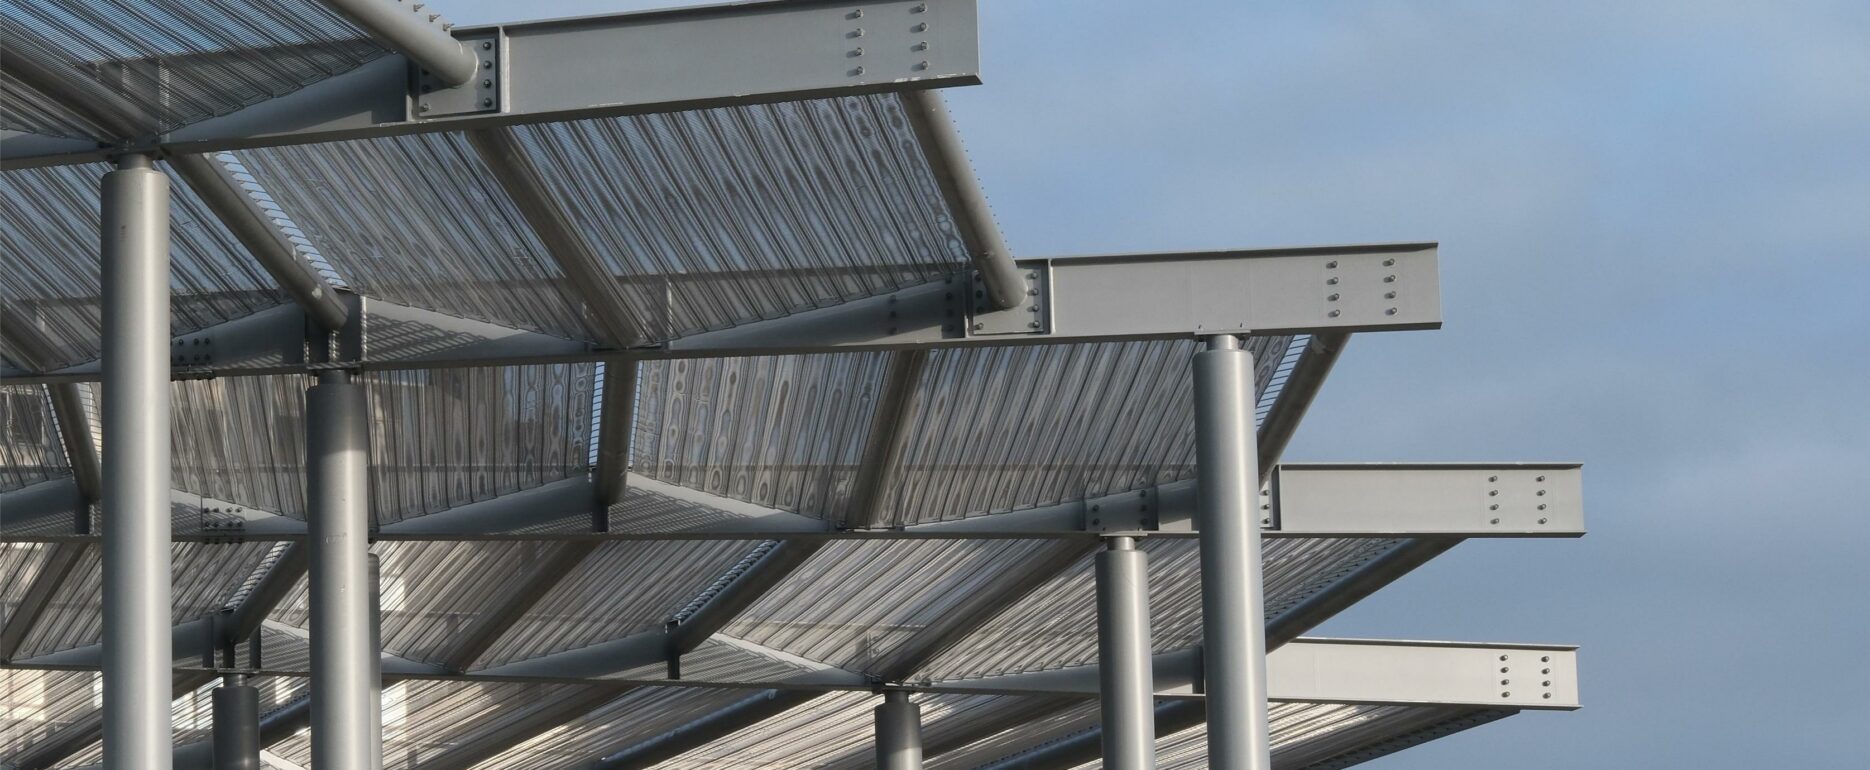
pixel 1655 229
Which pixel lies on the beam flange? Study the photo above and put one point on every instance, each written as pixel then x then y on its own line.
pixel 631 63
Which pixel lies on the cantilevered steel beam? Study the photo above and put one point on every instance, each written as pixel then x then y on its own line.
pixel 1001 282
pixel 616 429
pixel 550 567
pixel 585 274
pixel 250 224
pixel 416 31
pixel 1387 287
pixel 632 63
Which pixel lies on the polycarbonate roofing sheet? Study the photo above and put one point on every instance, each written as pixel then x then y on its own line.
pixel 35 705
pixel 780 431
pixel 30 450
pixel 1323 736
pixel 168 62
pixel 192 714
pixel 423 719
pixel 635 715
pixel 854 601
pixel 203 577
pixel 619 589
pixel 1055 626
pixel 49 269
pixel 241 440
pixel 19 564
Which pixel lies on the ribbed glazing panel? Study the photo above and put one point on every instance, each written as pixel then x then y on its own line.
pixel 423 719
pixel 419 221
pixel 808 735
pixel 35 705
pixel 170 62
pixel 19 564
pixel 203 576
pixel 1306 734
pixel 1004 428
pixel 637 715
pixel 49 261
pixel 717 217
pixel 432 591
pixel 855 601
pixel 781 431
pixel 1019 736
pixel 30 450
pixel 619 589
pixel 241 440
pixel 440 438
pixel 1056 625
pixel 192 715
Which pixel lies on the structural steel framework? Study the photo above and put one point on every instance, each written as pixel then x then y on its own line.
pixel 656 389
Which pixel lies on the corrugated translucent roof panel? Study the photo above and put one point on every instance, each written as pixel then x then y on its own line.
pixel 1056 625
pixel 855 601
pixel 440 438
pixel 1325 736
pixel 49 274
pixel 999 429
pixel 636 715
pixel 1019 736
pixel 30 450
pixel 723 216
pixel 241 440
pixel 708 219
pixel 169 62
pixel 619 589
pixel 204 576
pixel 192 714
pixel 422 719
pixel 781 431
pixel 35 705
pixel 19 564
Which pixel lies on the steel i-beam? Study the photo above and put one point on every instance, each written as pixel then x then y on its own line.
pixel 137 679
pixel 1232 604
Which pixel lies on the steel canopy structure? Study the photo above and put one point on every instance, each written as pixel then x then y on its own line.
pixel 656 390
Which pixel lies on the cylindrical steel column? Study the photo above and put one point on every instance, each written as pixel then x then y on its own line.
pixel 337 515
pixel 1126 685
pixel 236 725
pixel 899 733
pixel 376 658
pixel 1232 607
pixel 138 684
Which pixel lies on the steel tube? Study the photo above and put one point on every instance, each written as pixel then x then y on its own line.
pixel 412 29
pixel 1232 605
pixel 343 661
pixel 1126 683
pixel 137 679
pixel 899 733
pixel 941 143
pixel 236 725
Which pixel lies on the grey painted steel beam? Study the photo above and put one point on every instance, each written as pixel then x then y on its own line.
pixel 81 453
pixel 1001 282
pixel 585 274
pixel 1081 299
pixel 275 726
pixel 136 468
pixel 416 31
pixel 533 717
pixel 261 236
pixel 550 566
pixel 81 733
pixel 746 713
pixel 107 112
pixel 1295 397
pixel 344 678
pixel 1232 606
pixel 720 603
pixel 631 63
pixel 616 429
pixel 266 594
pixel 886 438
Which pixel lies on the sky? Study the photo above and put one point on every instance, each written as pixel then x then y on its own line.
pixel 1654 220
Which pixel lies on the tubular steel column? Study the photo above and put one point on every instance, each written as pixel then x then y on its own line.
pixel 137 679
pixel 236 725
pixel 899 733
pixel 343 662
pixel 1232 606
pixel 1125 682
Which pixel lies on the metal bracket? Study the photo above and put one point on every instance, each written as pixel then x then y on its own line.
pixel 433 98
pixel 1136 511
pixel 1031 316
